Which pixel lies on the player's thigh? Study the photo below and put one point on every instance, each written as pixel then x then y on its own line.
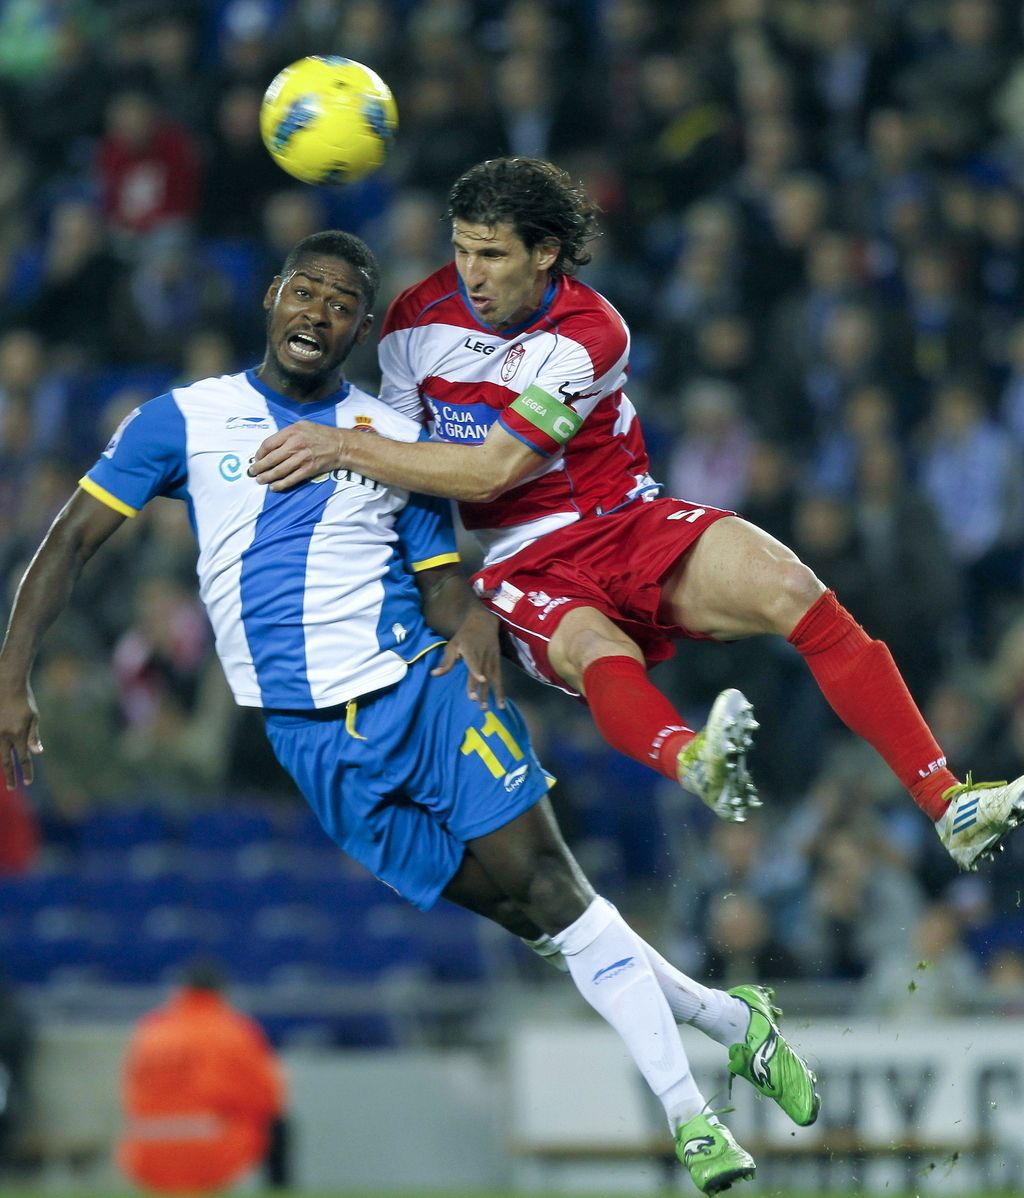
pixel 737 580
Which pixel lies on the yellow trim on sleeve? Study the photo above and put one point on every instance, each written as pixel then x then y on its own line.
pixel 97 492
pixel 424 652
pixel 442 559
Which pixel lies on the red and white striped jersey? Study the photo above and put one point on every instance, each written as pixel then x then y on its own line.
pixel 442 366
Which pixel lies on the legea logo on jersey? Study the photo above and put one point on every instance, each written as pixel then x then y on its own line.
pixel 470 422
pixel 230 467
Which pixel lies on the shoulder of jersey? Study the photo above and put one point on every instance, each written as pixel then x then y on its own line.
pixel 225 385
pixel 584 315
pixel 417 302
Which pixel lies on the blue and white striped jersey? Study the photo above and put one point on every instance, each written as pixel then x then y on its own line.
pixel 309 591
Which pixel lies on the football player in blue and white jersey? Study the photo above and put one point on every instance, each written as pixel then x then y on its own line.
pixel 330 604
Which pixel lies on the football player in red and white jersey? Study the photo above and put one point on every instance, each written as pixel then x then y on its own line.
pixel 518 370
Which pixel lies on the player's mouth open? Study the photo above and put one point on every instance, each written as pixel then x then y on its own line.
pixel 305 346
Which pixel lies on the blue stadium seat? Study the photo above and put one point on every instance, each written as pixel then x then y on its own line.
pixel 155 949
pixel 122 828
pixel 22 895
pixel 129 894
pixel 228 828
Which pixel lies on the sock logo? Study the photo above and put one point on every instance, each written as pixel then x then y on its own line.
pixel 938 764
pixel 613 970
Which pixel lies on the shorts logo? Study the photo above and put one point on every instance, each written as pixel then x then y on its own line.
pixel 544 600
pixel 507 597
pixel 515 778
pixel 511 363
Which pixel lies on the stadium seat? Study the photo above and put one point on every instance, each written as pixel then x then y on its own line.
pixel 228 828
pixel 25 894
pixel 123 828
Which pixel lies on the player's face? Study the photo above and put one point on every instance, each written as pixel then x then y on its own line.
pixel 504 279
pixel 315 315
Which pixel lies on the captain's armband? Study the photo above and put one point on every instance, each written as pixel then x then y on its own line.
pixel 546 413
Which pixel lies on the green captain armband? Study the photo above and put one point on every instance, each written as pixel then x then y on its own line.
pixel 546 413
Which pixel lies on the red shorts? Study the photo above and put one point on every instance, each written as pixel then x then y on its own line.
pixel 615 563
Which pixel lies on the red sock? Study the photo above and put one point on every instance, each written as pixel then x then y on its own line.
pixel 632 715
pixel 860 680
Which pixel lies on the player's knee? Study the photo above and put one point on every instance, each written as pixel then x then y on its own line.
pixel 572 652
pixel 796 587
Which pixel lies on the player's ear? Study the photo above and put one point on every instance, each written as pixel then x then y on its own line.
pixel 546 253
pixel 364 328
pixel 271 295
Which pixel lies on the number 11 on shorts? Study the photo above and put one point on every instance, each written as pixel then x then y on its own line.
pixel 473 742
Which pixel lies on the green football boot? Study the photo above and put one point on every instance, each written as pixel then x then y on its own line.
pixel 768 1063
pixel 711 1155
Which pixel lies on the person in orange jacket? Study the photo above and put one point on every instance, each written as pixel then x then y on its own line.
pixel 200 1091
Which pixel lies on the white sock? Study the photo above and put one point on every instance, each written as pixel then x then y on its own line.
pixel 613 974
pixel 714 1012
pixel 717 1014
pixel 545 947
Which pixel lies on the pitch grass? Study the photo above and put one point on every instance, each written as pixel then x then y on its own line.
pixel 755 1191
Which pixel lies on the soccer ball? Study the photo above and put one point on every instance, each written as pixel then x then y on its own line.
pixel 328 120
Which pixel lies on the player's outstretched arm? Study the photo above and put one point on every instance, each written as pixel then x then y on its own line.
pixel 75 535
pixel 469 473
pixel 451 608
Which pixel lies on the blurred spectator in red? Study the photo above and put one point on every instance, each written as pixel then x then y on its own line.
pixel 148 167
pixel 200 1091
pixel 164 651
pixel 19 842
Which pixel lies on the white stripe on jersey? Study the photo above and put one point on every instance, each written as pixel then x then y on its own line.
pixel 309 600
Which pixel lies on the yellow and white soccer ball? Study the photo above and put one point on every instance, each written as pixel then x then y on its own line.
pixel 328 120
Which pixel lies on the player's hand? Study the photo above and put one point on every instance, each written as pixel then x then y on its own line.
pixel 19 735
pixel 295 454
pixel 476 643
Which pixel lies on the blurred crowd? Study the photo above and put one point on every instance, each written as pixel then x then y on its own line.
pixel 813 220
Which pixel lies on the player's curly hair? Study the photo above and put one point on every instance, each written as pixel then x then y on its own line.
pixel 539 200
pixel 337 244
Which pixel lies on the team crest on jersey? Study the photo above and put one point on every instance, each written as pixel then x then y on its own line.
pixel 119 433
pixel 511 364
pixel 364 424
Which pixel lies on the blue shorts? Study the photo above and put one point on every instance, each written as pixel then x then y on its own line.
pixel 412 774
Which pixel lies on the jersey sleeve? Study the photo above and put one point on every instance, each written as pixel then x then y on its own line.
pixel 588 364
pixel 426 533
pixel 144 458
pixel 399 387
